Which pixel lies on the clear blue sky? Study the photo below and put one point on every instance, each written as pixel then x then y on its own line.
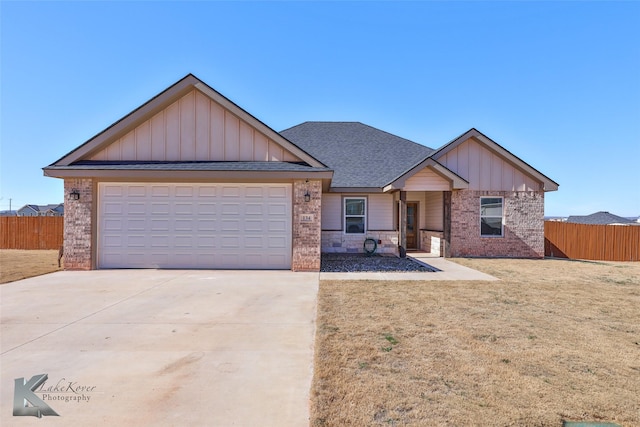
pixel 556 83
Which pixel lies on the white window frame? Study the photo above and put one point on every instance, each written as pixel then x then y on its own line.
pixel 493 216
pixel 344 214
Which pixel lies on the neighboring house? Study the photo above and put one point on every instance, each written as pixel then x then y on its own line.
pixel 191 180
pixel 556 218
pixel 600 218
pixel 8 213
pixel 41 210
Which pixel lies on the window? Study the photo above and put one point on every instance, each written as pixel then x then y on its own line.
pixel 491 216
pixel 355 215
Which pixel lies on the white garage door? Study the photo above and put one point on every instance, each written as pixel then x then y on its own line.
pixel 229 226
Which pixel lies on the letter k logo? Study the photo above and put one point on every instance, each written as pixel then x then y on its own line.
pixel 23 393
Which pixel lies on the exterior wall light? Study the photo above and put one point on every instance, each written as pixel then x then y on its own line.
pixel 307 196
pixel 74 195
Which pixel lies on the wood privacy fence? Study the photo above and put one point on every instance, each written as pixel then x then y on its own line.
pixel 31 232
pixel 593 242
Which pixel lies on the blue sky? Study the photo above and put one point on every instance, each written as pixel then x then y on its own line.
pixel 556 83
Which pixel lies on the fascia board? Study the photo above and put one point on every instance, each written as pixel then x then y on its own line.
pixel 177 174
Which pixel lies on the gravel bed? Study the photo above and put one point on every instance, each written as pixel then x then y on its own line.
pixel 341 263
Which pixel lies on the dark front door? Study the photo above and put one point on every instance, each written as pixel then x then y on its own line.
pixel 412 225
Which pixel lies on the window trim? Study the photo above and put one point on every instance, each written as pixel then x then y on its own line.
pixel 344 214
pixel 493 216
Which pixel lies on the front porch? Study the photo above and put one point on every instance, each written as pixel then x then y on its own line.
pixel 397 221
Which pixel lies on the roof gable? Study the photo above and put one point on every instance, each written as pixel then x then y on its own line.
pixel 189 121
pixel 486 165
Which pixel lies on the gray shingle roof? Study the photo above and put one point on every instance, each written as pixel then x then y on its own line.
pixel 360 155
pixel 599 218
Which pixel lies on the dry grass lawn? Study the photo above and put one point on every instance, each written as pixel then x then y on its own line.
pixel 17 264
pixel 553 340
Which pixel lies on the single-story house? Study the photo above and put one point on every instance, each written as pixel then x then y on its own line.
pixel 41 210
pixel 191 180
pixel 601 218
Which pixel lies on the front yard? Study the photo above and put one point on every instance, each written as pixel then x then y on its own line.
pixel 18 264
pixel 553 340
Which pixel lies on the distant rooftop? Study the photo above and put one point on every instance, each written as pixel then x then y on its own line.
pixel 599 218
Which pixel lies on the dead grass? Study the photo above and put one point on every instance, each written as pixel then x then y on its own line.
pixel 553 340
pixel 17 264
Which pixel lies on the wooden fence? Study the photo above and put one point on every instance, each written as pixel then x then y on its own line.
pixel 31 232
pixel 593 242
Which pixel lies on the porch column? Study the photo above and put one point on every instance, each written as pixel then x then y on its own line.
pixel 403 224
pixel 78 224
pixel 446 222
pixel 307 233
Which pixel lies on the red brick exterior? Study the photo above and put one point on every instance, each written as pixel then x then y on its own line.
pixel 78 224
pixel 523 225
pixel 307 232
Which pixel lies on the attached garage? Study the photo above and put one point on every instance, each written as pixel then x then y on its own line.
pixel 191 180
pixel 194 225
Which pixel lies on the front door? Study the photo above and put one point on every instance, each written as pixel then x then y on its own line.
pixel 412 225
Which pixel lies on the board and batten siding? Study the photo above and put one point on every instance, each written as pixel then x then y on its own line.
pixel 194 128
pixel 379 211
pixel 433 211
pixel 486 171
pixel 426 180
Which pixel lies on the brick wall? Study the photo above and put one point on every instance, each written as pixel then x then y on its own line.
pixel 306 226
pixel 338 242
pixel 77 224
pixel 523 225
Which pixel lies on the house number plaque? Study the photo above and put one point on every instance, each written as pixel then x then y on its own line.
pixel 306 218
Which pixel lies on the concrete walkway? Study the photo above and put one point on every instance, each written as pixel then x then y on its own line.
pixel 161 347
pixel 448 271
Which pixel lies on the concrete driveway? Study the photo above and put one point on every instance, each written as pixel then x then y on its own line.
pixel 166 347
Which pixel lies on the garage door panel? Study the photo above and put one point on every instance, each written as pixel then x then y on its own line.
pixel 206 225
pixel 136 191
pixel 114 208
pixel 207 191
pixel 160 191
pixel 230 191
pixel 159 224
pixel 194 225
pixel 184 208
pixel 113 225
pixel 134 225
pixel 230 226
pixel 184 191
pixel 206 208
pixel 277 209
pixel 256 192
pixel 157 208
pixel 276 243
pixel 159 241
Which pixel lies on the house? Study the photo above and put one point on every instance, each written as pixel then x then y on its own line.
pixel 41 210
pixel 191 180
pixel 600 218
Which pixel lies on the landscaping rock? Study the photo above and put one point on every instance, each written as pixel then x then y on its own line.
pixel 344 263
